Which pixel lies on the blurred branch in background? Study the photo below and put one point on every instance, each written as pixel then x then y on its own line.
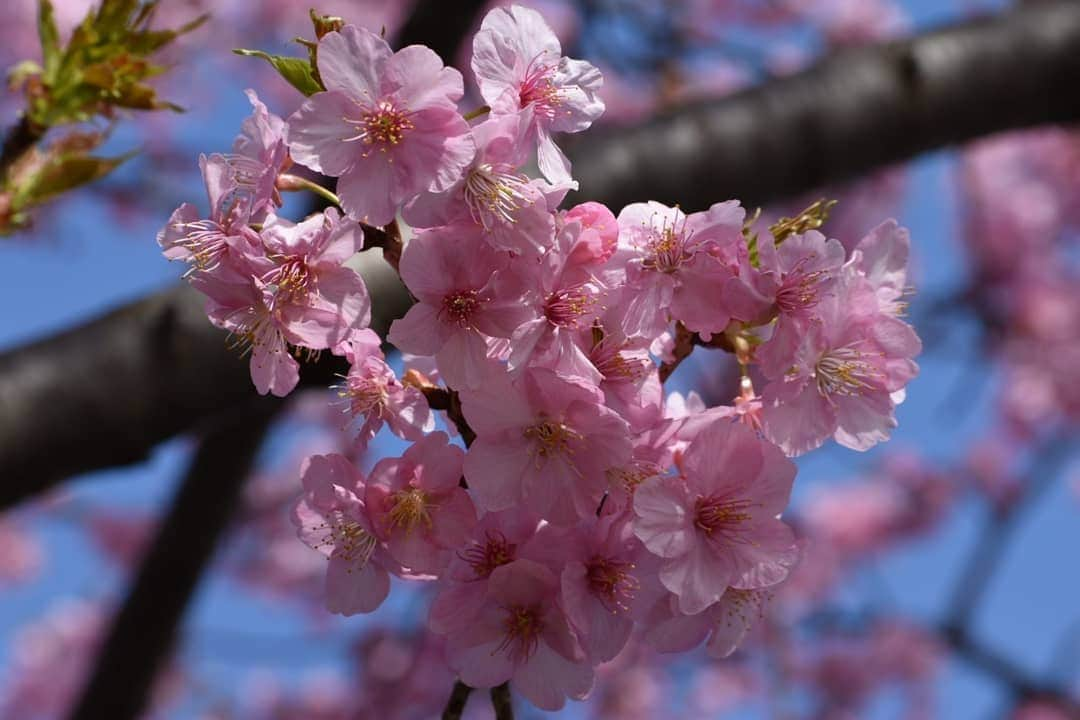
pixel 855 111
pixel 144 631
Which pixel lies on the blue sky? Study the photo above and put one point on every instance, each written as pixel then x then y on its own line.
pixel 84 266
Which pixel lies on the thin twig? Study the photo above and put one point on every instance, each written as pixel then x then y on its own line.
pixel 19 139
pixel 448 401
pixel 455 706
pixel 502 702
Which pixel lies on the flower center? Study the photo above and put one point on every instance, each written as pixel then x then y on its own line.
pixel 551 438
pixel 460 306
pixel 365 393
pixel 206 241
pixel 411 508
pixel 523 626
pixel 486 556
pixel 611 580
pixel 607 358
pixel 629 477
pixel 845 371
pixel 566 307
pixel 349 541
pixel 799 289
pixel 494 196
pixel 382 128
pixel 540 91
pixel 668 249
pixel 720 516
pixel 290 282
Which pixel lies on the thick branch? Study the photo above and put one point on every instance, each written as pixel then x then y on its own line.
pixel 143 632
pixel 851 113
pixel 106 393
pixel 440 25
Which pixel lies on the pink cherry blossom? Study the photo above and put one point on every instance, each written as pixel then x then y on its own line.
pixel 417 506
pixel 566 300
pixel 332 518
pixel 519 65
pixel 514 211
pixel 544 441
pixel 597 563
pixel 521 635
pixel 373 392
pixel 845 375
pixel 493 542
pixel 465 293
pixel 259 156
pixel 205 243
pixel 677 265
pixel 293 290
pixel 716 526
pixel 387 126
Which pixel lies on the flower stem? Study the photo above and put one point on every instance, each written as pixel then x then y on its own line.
pixel 292 183
pixel 482 110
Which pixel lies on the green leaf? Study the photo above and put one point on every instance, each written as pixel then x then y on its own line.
pixel 49 36
pixel 296 71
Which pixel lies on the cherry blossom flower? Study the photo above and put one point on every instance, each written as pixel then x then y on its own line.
pixel 205 243
pixel 717 527
pixel 845 377
pixel 493 193
pixel 296 291
pixel 678 264
pixel 520 68
pixel 387 127
pixel 522 636
pixel 494 541
pixel 544 441
pixel 465 295
pixel 259 156
pixel 417 506
pixel 332 518
pixel 372 391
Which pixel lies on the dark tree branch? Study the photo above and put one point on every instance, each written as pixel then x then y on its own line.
pixel 440 25
pixel 502 702
pixel 106 393
pixel 143 633
pixel 19 139
pixel 455 705
pixel 853 112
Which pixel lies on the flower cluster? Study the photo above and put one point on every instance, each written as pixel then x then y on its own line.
pixel 567 502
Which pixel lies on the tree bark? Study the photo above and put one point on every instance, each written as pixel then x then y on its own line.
pixel 143 632
pixel 855 111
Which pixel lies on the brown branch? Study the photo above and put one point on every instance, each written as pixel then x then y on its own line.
pixel 19 139
pixel 855 111
pixel 440 25
pixel 455 706
pixel 502 702
pixel 143 633
pixel 448 401
pixel 106 393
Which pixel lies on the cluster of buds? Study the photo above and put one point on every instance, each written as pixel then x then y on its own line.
pixel 569 501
